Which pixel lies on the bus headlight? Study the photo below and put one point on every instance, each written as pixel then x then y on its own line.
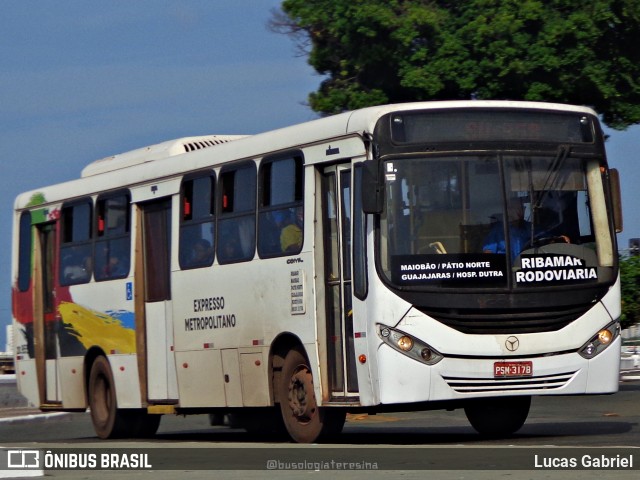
pixel 600 341
pixel 408 345
pixel 405 343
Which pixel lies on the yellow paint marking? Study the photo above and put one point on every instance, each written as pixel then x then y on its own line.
pixel 161 409
pixel 96 328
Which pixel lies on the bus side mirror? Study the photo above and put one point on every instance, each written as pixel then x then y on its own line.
pixel 616 197
pixel 372 188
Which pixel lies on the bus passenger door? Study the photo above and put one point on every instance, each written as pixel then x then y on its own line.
pixel 158 331
pixel 337 252
pixel 47 321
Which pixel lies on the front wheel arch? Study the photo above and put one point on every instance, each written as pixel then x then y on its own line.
pixel 108 420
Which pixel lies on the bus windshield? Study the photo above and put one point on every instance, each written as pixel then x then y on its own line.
pixel 456 221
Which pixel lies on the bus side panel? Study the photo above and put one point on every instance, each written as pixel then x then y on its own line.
pixel 200 378
pixel 27 380
pixel 253 369
pixel 364 313
pixel 70 376
pixel 365 376
pixel 125 376
pixel 238 310
pixel 102 314
pixel 232 379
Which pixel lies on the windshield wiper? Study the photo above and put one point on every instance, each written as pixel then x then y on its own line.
pixel 551 181
pixel 561 156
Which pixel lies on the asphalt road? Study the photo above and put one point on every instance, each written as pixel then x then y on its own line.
pixel 434 444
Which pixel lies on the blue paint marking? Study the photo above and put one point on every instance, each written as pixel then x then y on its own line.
pixel 128 319
pixel 129 290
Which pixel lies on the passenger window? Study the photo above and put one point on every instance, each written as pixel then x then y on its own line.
pixel 113 244
pixel 75 245
pixel 197 224
pixel 24 253
pixel 281 214
pixel 237 208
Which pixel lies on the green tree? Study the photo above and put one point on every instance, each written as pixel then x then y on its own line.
pixel 630 285
pixel 389 51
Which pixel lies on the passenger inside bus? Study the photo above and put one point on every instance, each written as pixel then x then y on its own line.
pixel 281 231
pixel 115 262
pixel 115 267
pixel 291 232
pixel 202 253
pixel 76 265
pixel 229 248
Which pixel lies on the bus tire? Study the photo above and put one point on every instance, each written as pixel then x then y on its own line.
pixel 108 420
pixel 141 424
pixel 265 422
pixel 304 420
pixel 499 416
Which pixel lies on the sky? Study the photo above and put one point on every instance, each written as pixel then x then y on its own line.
pixel 81 80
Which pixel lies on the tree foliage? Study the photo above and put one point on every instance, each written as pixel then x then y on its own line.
pixel 630 285
pixel 388 51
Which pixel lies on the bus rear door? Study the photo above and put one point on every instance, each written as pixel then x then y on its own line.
pixel 47 320
pixel 161 382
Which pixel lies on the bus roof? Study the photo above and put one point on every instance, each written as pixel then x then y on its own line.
pixel 160 160
pixel 155 152
pixel 357 121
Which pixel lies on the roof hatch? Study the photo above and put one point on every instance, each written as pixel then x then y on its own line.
pixel 155 152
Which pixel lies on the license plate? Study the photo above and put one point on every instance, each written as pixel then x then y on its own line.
pixel 512 369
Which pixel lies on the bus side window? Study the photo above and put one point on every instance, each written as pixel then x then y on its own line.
pixel 24 252
pixel 236 241
pixel 75 245
pixel 113 243
pixel 281 206
pixel 197 222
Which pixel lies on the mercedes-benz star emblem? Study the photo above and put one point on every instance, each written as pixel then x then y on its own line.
pixel 512 343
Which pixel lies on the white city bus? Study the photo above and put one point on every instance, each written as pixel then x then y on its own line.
pixel 402 257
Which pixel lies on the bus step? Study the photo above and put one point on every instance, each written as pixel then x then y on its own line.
pixel 161 409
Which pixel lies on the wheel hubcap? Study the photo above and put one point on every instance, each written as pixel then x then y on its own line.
pixel 301 398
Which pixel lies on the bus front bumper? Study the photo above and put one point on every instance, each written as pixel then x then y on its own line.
pixel 405 380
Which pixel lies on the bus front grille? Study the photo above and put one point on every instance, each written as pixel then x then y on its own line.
pixel 486 385
pixel 504 321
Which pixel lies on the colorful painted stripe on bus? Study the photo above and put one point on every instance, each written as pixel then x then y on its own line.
pixel 113 331
pixel 77 328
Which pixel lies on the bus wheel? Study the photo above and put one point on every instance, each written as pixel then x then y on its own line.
pixel 140 423
pixel 303 419
pixel 108 421
pixel 266 422
pixel 498 417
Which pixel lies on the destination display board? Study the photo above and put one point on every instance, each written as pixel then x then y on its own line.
pixel 491 125
pixel 485 269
